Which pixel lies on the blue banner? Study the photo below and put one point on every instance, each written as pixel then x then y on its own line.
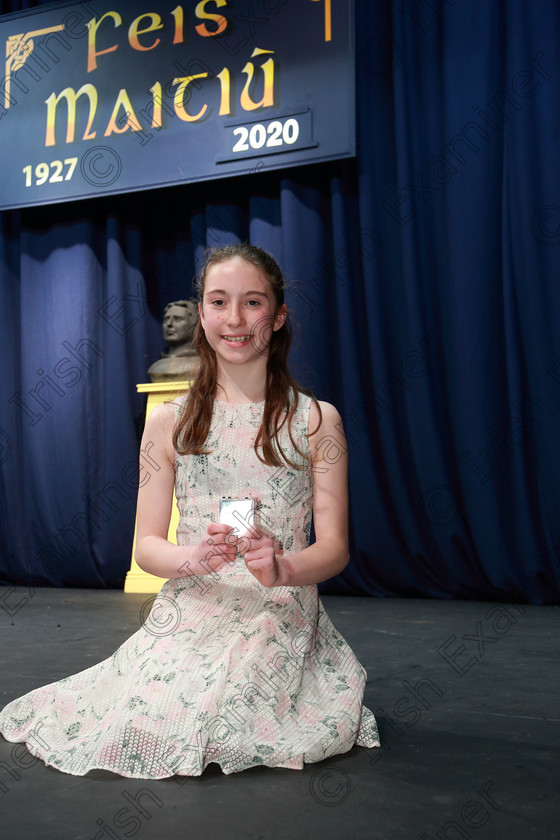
pixel 105 97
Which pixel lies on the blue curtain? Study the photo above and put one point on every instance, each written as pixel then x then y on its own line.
pixel 424 279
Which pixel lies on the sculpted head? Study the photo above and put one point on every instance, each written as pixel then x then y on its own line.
pixel 180 318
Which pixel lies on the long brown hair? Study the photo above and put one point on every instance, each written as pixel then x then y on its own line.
pixel 281 390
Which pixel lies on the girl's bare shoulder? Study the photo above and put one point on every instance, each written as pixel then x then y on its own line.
pixel 159 428
pixel 163 415
pixel 325 421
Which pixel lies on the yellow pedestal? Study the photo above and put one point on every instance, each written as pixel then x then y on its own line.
pixel 137 580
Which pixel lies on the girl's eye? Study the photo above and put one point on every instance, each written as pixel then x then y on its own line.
pixel 217 302
pixel 253 303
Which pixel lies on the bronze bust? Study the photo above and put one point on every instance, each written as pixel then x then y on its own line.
pixel 180 318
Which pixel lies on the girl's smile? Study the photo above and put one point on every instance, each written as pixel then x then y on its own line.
pixel 238 311
pixel 236 339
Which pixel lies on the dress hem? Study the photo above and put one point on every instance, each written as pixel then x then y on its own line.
pixel 297 762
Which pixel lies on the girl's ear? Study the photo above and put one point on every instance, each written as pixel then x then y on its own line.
pixel 280 317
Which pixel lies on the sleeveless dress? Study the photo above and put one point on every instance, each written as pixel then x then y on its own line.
pixel 223 669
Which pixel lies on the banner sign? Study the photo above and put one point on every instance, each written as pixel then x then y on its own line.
pixel 110 96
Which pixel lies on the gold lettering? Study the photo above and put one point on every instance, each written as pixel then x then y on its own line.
pixel 92 27
pixel 132 121
pixel 220 21
pixel 134 31
pixel 178 15
pixel 180 109
pixel 328 20
pixel 71 98
pixel 267 100
pixel 223 76
pixel 155 90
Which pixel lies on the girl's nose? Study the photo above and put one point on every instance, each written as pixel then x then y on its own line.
pixel 235 315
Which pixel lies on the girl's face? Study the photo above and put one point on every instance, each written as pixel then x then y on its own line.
pixel 238 311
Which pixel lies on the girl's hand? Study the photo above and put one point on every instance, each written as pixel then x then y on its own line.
pixel 261 560
pixel 217 546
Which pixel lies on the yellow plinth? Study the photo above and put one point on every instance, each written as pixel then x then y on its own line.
pixel 137 580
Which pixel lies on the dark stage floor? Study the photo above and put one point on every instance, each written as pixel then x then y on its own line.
pixel 466 695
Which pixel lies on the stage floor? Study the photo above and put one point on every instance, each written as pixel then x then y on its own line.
pixel 466 695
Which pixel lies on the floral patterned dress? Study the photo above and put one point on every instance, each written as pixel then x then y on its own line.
pixel 223 669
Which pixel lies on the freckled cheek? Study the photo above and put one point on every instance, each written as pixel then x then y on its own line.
pixel 213 322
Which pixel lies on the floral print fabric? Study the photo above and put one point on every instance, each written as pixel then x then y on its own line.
pixel 223 669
